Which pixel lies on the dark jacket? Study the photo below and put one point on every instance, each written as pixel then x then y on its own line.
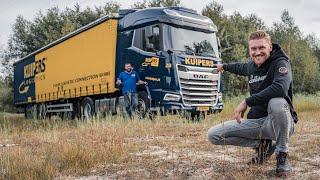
pixel 272 79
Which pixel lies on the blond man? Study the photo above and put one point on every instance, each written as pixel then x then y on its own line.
pixel 271 118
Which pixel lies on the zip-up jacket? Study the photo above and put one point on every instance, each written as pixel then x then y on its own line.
pixel 271 79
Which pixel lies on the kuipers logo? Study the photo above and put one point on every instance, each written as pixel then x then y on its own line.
pixel 29 72
pixel 198 62
pixel 23 88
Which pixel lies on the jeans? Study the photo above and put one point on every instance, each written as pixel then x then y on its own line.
pixel 130 102
pixel 277 126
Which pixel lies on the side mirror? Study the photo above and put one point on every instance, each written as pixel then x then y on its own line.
pixel 169 51
pixel 159 53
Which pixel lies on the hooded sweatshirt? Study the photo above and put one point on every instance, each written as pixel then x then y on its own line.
pixel 271 79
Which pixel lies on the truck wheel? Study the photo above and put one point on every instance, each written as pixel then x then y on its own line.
pixel 87 108
pixel 163 111
pixel 30 112
pixel 42 111
pixel 197 116
pixel 143 104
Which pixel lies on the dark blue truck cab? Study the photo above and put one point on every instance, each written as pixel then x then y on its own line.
pixel 175 50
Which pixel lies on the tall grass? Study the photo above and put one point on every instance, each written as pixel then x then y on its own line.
pixel 45 149
pixel 304 103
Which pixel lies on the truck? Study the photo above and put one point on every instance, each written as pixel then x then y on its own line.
pixel 173 49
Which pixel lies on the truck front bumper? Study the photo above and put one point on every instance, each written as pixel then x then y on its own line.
pixel 179 106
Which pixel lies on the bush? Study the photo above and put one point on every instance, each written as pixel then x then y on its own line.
pixel 6 98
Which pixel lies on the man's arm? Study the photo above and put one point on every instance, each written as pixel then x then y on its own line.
pixel 119 80
pixel 236 68
pixel 139 81
pixel 278 88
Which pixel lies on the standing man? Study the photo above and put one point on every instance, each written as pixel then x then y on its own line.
pixel 271 116
pixel 129 80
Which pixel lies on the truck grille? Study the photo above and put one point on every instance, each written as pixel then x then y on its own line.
pixel 198 86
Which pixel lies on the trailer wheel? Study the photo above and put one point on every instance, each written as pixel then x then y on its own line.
pixel 42 111
pixel 143 105
pixel 30 112
pixel 87 108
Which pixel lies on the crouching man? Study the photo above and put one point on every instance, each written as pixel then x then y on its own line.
pixel 271 116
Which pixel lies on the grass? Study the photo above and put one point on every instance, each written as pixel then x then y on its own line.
pixel 168 147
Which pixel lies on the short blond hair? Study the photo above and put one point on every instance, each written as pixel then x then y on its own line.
pixel 260 34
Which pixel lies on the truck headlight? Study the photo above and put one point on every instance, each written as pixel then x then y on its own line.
pixel 171 97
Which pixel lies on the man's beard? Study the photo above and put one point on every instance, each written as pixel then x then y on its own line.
pixel 129 70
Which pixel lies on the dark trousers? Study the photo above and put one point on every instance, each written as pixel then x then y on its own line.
pixel 131 102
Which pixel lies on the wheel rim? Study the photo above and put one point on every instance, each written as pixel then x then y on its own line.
pixel 87 111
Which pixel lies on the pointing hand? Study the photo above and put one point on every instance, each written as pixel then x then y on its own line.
pixel 219 67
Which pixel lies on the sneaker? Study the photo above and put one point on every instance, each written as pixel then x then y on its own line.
pixel 283 165
pixel 263 152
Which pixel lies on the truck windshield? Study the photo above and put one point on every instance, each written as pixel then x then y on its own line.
pixel 190 41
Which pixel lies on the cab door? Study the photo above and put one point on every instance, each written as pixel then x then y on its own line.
pixel 146 57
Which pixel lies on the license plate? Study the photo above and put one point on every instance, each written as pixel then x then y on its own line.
pixel 203 108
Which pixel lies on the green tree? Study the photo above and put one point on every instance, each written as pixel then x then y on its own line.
pixel 20 42
pixel 6 95
pixel 28 36
pixel 314 43
pixel 305 63
pixel 51 25
pixel 233 31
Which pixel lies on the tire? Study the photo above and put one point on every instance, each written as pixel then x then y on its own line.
pixel 195 116
pixel 163 112
pixel 143 107
pixel 87 108
pixel 30 111
pixel 42 111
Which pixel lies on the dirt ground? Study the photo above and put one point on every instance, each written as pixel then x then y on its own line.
pixel 187 154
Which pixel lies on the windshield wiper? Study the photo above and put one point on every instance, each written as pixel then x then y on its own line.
pixel 180 51
pixel 191 53
pixel 174 50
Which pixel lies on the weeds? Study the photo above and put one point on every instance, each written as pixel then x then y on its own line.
pixel 167 147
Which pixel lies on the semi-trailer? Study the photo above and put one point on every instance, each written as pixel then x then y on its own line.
pixel 173 49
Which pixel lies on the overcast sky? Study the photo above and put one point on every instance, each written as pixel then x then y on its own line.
pixel 305 12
